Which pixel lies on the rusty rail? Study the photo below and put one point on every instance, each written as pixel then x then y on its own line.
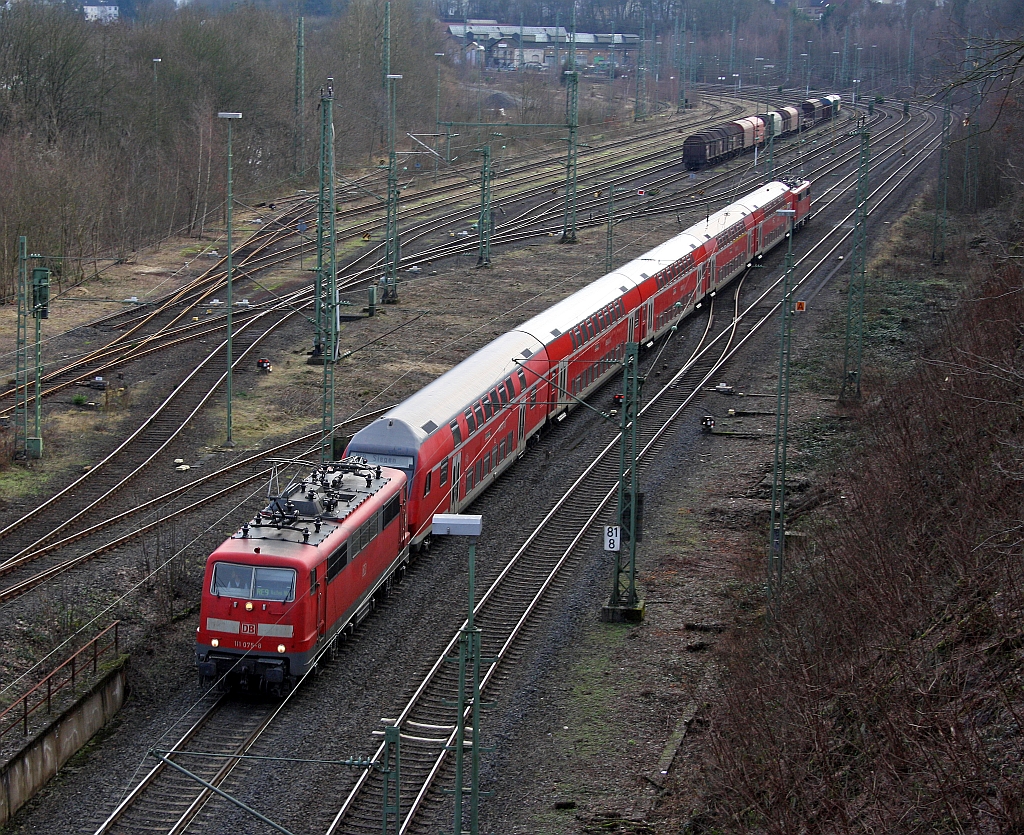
pixel 63 676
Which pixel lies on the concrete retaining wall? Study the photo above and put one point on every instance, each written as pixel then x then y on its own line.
pixel 42 757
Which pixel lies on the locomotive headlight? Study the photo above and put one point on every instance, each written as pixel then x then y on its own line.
pixel 215 643
pixel 248 606
pixel 280 647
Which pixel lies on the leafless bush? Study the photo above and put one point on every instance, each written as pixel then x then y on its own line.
pixel 886 696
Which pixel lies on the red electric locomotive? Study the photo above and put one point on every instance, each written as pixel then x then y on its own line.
pixel 283 588
pixel 279 591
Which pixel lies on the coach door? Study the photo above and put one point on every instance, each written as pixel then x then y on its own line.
pixel 521 437
pixel 633 333
pixel 561 387
pixel 453 499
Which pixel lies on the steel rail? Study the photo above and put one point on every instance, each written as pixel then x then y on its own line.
pixel 666 424
pixel 146 424
pixel 233 758
pixel 51 572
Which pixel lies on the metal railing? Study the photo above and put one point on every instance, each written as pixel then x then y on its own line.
pixel 85 660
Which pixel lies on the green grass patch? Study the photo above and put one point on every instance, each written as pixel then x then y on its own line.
pixel 18 481
pixel 592 727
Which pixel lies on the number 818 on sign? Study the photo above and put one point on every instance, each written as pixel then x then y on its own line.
pixel 612 537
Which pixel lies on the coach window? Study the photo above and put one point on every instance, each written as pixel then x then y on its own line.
pixel 470 421
pixel 510 388
pixel 442 476
pixel 456 433
pixel 502 397
pixel 479 412
pixel 522 379
pixel 426 483
pixel 533 397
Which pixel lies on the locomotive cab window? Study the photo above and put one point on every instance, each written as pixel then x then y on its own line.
pixel 248 582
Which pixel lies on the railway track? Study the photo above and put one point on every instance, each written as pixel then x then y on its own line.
pixel 138 334
pixel 167 799
pixel 533 575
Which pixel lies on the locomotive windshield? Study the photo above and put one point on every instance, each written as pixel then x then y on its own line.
pixel 253 583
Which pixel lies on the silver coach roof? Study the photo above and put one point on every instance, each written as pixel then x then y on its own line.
pixel 573 309
pixel 405 426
